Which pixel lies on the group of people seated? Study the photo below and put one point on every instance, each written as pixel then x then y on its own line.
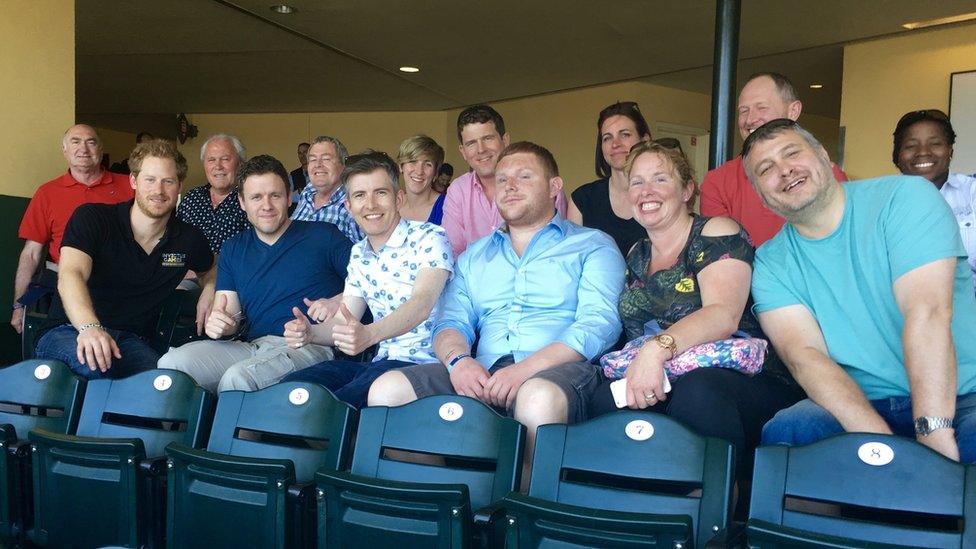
pixel 794 307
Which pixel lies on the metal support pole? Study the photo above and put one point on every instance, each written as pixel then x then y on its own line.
pixel 723 81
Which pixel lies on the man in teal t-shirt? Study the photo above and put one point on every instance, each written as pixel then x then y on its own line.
pixel 866 295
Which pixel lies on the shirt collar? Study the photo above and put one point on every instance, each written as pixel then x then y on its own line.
pixel 124 210
pixel 557 222
pixel 396 240
pixel 338 195
pixel 68 180
pixel 957 180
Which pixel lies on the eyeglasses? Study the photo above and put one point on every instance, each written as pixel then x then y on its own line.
pixel 620 106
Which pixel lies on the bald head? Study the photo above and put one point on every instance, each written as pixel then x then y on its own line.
pixel 82 148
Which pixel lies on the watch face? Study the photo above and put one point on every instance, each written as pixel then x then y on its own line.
pixel 922 425
pixel 666 339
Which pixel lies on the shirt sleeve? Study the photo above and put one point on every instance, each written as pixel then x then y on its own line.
pixel 457 311
pixel 354 276
pixel 597 323
pixel 769 291
pixel 84 230
pixel 712 202
pixel 919 227
pixel 225 270
pixel 36 224
pixel 433 250
pixel 339 252
pixel 709 249
pixel 452 221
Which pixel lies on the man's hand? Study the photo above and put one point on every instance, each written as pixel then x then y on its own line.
pixel 204 304
pixel 469 378
pixel 323 309
pixel 297 331
pixel 17 319
pixel 504 385
pixel 96 349
pixel 942 441
pixel 219 323
pixel 351 337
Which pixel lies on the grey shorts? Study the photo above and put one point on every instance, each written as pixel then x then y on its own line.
pixel 578 381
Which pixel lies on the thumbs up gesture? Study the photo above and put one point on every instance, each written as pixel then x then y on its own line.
pixel 297 331
pixel 220 323
pixel 348 334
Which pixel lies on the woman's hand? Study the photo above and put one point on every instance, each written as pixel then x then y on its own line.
pixel 645 377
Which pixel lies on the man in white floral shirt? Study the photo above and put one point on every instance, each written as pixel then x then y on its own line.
pixel 398 271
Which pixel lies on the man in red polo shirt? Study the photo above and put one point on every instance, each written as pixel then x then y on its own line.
pixel 55 201
pixel 726 191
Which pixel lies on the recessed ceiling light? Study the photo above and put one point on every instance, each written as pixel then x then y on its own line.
pixel 816 86
pixel 940 21
pixel 283 9
pixel 409 69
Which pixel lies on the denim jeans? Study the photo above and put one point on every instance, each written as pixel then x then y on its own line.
pixel 61 343
pixel 348 380
pixel 807 422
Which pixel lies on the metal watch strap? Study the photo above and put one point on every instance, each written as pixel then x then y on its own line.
pixel 89 326
pixel 925 425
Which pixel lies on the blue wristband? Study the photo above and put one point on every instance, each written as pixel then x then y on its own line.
pixel 455 360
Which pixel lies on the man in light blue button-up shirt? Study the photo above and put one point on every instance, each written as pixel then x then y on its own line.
pixel 540 297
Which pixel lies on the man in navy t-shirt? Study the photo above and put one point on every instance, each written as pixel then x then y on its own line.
pixel 262 274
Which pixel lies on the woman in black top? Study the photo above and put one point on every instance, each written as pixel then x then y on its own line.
pixel 603 204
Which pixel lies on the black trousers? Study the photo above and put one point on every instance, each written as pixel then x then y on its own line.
pixel 719 403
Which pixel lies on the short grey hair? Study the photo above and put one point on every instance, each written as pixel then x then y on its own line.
pixel 339 147
pixel 238 146
pixel 770 130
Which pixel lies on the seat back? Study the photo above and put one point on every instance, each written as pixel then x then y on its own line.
pixel 636 462
pixel 122 422
pixel 884 479
pixel 41 394
pixel 33 394
pixel 301 422
pixel 155 406
pixel 177 320
pixel 482 449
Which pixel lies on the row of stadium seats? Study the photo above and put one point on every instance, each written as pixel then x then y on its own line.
pixel 153 460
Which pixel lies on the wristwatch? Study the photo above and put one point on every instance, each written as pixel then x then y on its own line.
pixel 925 425
pixel 666 341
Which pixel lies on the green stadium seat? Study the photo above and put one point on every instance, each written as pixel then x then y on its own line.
pixel 242 491
pixel 385 502
pixel 103 487
pixel 626 479
pixel 33 394
pixel 890 492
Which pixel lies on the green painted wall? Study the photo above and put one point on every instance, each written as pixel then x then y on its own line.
pixel 11 211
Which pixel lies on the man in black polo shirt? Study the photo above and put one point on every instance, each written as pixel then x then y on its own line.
pixel 118 265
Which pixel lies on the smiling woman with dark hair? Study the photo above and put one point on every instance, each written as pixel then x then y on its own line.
pixel 923 143
pixel 603 204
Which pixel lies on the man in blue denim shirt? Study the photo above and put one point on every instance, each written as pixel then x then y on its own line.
pixel 540 296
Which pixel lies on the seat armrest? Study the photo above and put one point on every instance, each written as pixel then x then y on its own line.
pixel 489 525
pixel 19 448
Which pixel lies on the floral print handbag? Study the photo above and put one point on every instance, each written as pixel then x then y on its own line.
pixel 741 352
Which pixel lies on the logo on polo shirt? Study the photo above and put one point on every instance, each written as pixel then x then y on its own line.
pixel 174 260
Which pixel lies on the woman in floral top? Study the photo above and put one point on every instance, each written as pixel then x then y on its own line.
pixel 692 276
